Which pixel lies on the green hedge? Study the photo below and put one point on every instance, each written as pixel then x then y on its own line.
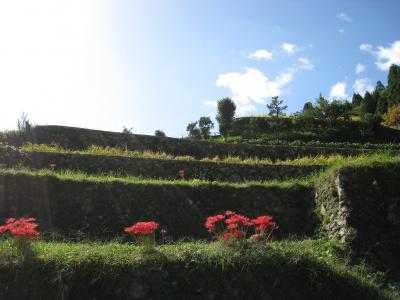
pixel 291 270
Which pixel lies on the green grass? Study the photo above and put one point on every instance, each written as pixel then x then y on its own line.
pixel 110 177
pixel 308 269
pixel 382 156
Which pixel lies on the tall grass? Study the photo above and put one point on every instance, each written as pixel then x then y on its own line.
pixel 381 156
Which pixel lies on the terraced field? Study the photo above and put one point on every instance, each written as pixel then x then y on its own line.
pixel 324 206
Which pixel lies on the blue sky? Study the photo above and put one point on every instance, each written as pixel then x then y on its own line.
pixel 162 64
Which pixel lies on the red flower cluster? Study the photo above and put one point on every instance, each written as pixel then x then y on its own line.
pixel 231 225
pixel 213 222
pixel 142 228
pixel 24 227
pixel 263 222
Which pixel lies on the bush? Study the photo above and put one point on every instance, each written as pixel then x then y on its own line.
pixel 159 133
pixel 393 116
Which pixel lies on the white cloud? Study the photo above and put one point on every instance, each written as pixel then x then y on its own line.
pixel 338 91
pixel 289 48
pixel 305 63
pixel 388 56
pixel 366 47
pixel 362 85
pixel 210 103
pixel 341 31
pixel 360 68
pixel 253 87
pixel 57 64
pixel 261 54
pixel 385 56
pixel 344 17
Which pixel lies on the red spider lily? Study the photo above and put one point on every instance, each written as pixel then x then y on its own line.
pixel 142 228
pixel 182 173
pixel 144 233
pixel 53 166
pixel 21 228
pixel 215 224
pixel 263 223
pixel 229 213
pixel 233 225
pixel 236 219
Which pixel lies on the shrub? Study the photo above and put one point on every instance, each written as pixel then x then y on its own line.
pixel 159 133
pixel 393 116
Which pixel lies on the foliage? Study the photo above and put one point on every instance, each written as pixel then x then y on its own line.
pixel 23 123
pixel 126 130
pixel 159 133
pixel 393 87
pixel 393 116
pixel 276 107
pixel 205 126
pixel 369 104
pixel 226 111
pixel 193 131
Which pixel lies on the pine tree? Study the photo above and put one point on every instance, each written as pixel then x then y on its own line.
pixel 357 100
pixel 393 88
pixel 369 104
pixel 380 98
pixel 276 107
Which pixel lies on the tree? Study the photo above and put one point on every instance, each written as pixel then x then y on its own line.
pixel 321 109
pixel 23 123
pixel 308 107
pixel 380 98
pixel 126 130
pixel 159 133
pixel 393 87
pixel 193 130
pixel 356 100
pixel 205 126
pixel 276 107
pixel 226 111
pixel 337 109
pixel 369 104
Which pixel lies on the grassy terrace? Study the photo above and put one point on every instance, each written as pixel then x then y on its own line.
pixel 381 157
pixel 110 178
pixel 308 269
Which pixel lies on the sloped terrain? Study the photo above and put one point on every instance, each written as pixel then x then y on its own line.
pixel 83 198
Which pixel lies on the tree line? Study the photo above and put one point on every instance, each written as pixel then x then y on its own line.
pixel 381 104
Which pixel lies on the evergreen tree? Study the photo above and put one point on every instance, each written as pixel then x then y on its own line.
pixel 322 106
pixel 369 104
pixel 308 107
pixel 380 98
pixel 276 107
pixel 226 111
pixel 393 88
pixel 357 100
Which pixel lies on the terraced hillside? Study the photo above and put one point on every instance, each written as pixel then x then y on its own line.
pixel 325 207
